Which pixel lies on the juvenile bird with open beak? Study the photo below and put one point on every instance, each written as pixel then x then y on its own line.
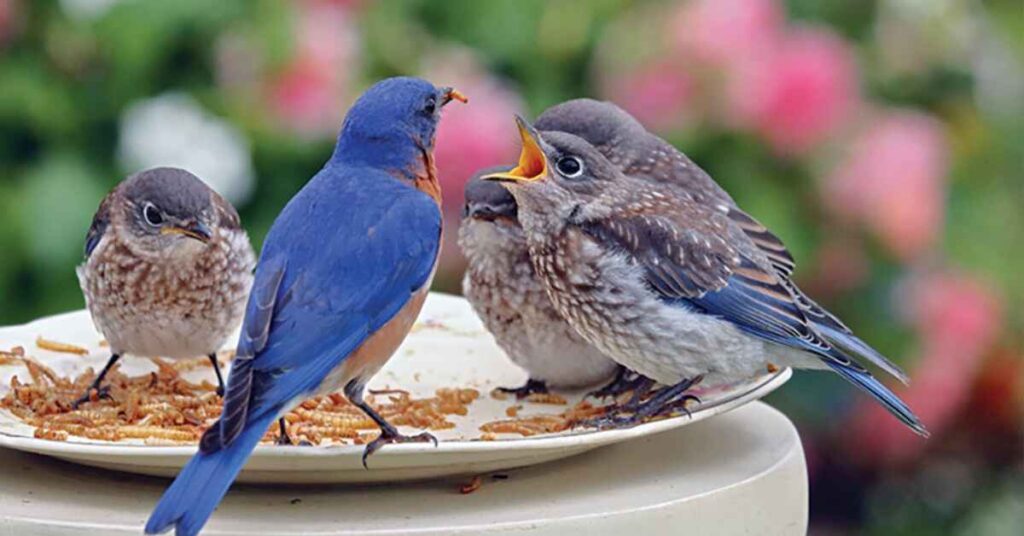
pixel 167 270
pixel 510 298
pixel 664 284
pixel 625 142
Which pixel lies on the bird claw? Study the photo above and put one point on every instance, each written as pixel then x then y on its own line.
pixel 670 408
pixel 101 394
pixel 664 403
pixel 391 435
pixel 625 381
pixel 530 387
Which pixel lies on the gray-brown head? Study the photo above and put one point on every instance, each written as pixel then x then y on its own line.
pixel 632 148
pixel 487 200
pixel 490 230
pixel 162 212
pixel 604 125
pixel 559 175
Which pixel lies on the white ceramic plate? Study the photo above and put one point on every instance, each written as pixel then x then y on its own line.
pixel 447 348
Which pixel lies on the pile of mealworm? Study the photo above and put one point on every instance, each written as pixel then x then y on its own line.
pixel 164 408
pixel 540 423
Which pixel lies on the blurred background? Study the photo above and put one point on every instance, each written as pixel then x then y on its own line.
pixel 882 140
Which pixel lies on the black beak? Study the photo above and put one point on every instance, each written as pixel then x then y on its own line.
pixel 489 211
pixel 194 230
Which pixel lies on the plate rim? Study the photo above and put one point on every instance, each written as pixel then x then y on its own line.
pixel 768 383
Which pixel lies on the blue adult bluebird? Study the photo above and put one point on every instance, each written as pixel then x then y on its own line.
pixel 666 285
pixel 342 276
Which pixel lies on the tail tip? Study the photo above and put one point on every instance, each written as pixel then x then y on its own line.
pixel 153 527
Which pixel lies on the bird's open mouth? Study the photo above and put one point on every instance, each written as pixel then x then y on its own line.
pixel 533 164
pixel 195 231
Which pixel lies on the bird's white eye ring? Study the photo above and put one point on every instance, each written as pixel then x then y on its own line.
pixel 570 166
pixel 152 215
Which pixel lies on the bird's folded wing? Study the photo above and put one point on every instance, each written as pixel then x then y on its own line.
pixel 705 260
pixel 765 240
pixel 100 221
pixel 827 324
pixel 706 265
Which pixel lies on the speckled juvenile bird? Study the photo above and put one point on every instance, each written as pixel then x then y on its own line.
pixel 664 284
pixel 167 269
pixel 511 300
pixel 500 282
pixel 625 142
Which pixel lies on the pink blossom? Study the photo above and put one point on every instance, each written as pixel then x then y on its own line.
pixel 305 99
pixel 659 95
pixel 958 320
pixel 842 265
pixel 798 93
pixel 724 32
pixel 953 310
pixel 893 181
pixel 310 93
pixel 10 20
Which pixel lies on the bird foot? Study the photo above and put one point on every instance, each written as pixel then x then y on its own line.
pixel 286 441
pixel 625 381
pixel 283 439
pixel 101 393
pixel 389 435
pixel 530 387
pixel 664 403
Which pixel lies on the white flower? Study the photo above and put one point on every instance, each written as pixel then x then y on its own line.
pixel 86 10
pixel 172 129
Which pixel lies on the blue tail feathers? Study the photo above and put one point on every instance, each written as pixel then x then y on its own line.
pixel 882 394
pixel 200 486
pixel 852 344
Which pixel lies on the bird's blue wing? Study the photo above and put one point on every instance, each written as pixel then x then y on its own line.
pixel 350 268
pixel 701 269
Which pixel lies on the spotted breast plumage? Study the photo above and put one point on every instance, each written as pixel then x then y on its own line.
pixel 510 299
pixel 667 285
pixel 168 269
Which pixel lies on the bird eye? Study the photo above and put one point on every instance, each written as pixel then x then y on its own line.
pixel 569 166
pixel 152 215
pixel 431 106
